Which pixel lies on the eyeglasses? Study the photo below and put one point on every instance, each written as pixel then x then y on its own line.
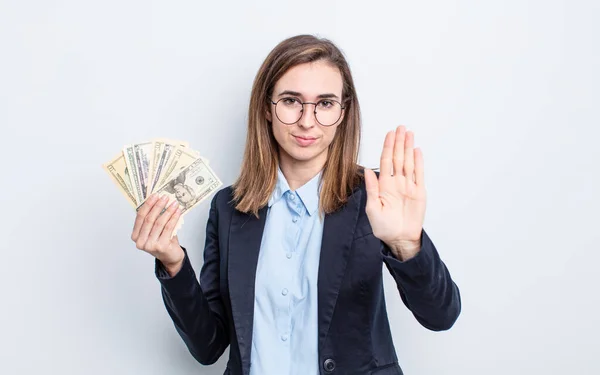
pixel 289 110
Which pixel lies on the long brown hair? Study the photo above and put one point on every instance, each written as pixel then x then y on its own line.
pixel 258 176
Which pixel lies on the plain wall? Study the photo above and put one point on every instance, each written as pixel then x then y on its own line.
pixel 503 98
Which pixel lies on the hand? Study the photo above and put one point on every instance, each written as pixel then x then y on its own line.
pixel 396 202
pixel 153 228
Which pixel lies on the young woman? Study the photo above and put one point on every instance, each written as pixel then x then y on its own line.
pixel 292 274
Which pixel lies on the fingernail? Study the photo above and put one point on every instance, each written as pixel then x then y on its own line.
pixel 164 197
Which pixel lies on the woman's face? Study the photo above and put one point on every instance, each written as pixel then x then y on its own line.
pixel 306 141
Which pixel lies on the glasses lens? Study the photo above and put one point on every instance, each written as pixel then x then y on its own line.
pixel 328 112
pixel 288 110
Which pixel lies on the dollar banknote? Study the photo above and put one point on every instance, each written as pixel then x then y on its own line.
pixel 117 170
pixel 163 155
pixel 191 186
pixel 143 157
pixel 163 152
pixel 181 159
pixel 129 155
pixel 166 166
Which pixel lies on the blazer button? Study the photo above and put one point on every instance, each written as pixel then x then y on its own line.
pixel 329 365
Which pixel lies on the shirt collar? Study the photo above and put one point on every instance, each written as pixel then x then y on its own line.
pixel 308 193
pixel 280 188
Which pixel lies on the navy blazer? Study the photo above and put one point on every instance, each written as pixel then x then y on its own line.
pixel 353 328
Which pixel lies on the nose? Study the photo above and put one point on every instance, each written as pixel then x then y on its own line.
pixel 308 118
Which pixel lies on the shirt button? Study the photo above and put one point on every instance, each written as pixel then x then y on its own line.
pixel 284 292
pixel 292 196
pixel 289 255
pixel 295 219
pixel 284 337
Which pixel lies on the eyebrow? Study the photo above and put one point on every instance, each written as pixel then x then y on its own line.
pixel 295 93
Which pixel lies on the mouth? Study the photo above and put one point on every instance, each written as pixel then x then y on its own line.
pixel 304 140
pixel 305 137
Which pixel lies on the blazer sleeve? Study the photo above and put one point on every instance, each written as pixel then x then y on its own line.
pixel 196 308
pixel 425 286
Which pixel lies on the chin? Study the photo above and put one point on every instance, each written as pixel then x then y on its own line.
pixel 302 154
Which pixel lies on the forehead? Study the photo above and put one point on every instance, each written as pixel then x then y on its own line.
pixel 311 79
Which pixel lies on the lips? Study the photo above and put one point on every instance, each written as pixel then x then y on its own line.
pixel 304 141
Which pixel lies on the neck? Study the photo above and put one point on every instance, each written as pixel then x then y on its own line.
pixel 299 172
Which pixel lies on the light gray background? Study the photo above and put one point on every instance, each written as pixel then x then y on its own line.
pixel 503 97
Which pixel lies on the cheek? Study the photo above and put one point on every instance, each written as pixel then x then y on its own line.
pixel 329 135
pixel 278 132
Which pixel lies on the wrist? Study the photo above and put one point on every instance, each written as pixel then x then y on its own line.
pixel 174 266
pixel 405 249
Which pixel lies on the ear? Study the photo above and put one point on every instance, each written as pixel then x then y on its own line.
pixel 342 116
pixel 268 113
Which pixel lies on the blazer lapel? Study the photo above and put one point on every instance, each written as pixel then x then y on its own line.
pixel 338 232
pixel 245 235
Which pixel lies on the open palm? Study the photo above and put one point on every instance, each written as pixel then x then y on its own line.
pixel 396 200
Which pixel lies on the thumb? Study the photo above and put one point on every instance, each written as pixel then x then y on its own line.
pixel 372 185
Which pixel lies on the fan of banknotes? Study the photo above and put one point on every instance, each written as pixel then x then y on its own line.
pixel 165 167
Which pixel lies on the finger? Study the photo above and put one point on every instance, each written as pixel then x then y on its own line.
pixel 150 219
pixel 177 228
pixel 372 186
pixel 409 159
pixel 386 156
pixel 419 167
pixel 399 150
pixel 141 215
pixel 162 220
pixel 167 233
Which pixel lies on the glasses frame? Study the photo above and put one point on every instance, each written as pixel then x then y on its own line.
pixel 302 111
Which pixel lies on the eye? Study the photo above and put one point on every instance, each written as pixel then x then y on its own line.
pixel 289 101
pixel 325 104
